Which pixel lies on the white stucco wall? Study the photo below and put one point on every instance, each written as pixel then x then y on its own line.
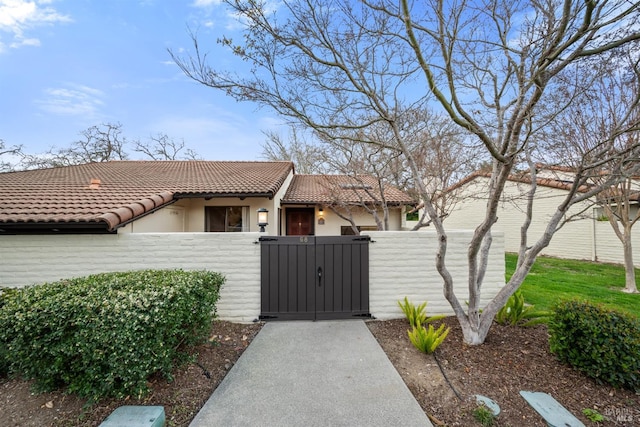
pixel 401 264
pixel 35 259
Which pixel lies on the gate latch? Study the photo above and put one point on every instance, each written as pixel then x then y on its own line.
pixel 319 276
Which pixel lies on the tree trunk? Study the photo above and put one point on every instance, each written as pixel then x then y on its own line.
pixel 629 268
pixel 474 334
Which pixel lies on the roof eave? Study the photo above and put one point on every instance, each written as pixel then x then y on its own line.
pixel 29 227
pixel 269 195
pixel 350 203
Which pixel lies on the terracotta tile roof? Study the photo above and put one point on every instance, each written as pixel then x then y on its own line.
pixel 111 193
pixel 524 178
pixel 330 189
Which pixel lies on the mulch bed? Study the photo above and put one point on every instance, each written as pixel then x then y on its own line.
pixel 512 359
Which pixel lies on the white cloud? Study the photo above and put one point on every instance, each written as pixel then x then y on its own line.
pixel 25 42
pixel 206 3
pixel 72 100
pixel 19 16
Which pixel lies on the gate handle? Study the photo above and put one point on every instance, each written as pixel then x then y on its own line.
pixel 319 276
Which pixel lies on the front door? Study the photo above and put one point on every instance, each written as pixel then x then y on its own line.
pixel 300 221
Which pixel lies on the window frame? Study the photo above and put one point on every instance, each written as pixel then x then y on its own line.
pixel 228 228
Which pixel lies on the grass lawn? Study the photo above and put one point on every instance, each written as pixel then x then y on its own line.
pixel 554 279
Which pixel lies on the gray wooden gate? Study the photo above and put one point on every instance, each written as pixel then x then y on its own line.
pixel 314 277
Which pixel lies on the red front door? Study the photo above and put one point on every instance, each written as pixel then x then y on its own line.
pixel 300 222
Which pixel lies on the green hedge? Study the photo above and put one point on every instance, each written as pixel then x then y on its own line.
pixel 104 335
pixel 602 343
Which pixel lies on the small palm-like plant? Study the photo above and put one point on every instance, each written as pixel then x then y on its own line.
pixel 516 312
pixel 417 316
pixel 427 340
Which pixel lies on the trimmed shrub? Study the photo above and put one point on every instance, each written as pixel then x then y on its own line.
pixel 602 343
pixel 5 294
pixel 104 335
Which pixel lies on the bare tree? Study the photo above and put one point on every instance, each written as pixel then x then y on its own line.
pixel 105 142
pixel 617 204
pixel 357 174
pixel 99 143
pixel 444 154
pixel 441 151
pixel 161 147
pixel 352 193
pixel 306 156
pixel 341 68
pixel 14 150
pixel 603 103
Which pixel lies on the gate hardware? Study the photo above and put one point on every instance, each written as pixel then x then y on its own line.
pixel 362 239
pixel 319 276
pixel 268 239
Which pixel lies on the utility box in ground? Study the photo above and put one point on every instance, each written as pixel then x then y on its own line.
pixel 136 416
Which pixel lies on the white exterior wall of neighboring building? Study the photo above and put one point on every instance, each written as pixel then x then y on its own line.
pixel 607 246
pixel 582 238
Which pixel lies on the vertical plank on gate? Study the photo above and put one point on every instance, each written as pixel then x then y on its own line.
pixel 338 280
pixel 291 284
pixel 356 276
pixel 310 283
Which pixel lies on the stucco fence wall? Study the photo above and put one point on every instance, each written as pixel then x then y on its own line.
pixel 401 264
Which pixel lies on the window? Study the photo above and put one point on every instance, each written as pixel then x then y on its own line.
pixel 412 216
pixel 227 218
pixel 599 215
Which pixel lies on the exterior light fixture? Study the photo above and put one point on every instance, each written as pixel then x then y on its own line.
pixel 320 211
pixel 263 219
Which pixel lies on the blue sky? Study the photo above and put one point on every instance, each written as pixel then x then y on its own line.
pixel 66 65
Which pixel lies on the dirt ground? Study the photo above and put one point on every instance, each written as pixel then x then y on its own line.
pixel 512 359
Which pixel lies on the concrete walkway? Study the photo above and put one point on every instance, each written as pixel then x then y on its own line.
pixel 329 373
